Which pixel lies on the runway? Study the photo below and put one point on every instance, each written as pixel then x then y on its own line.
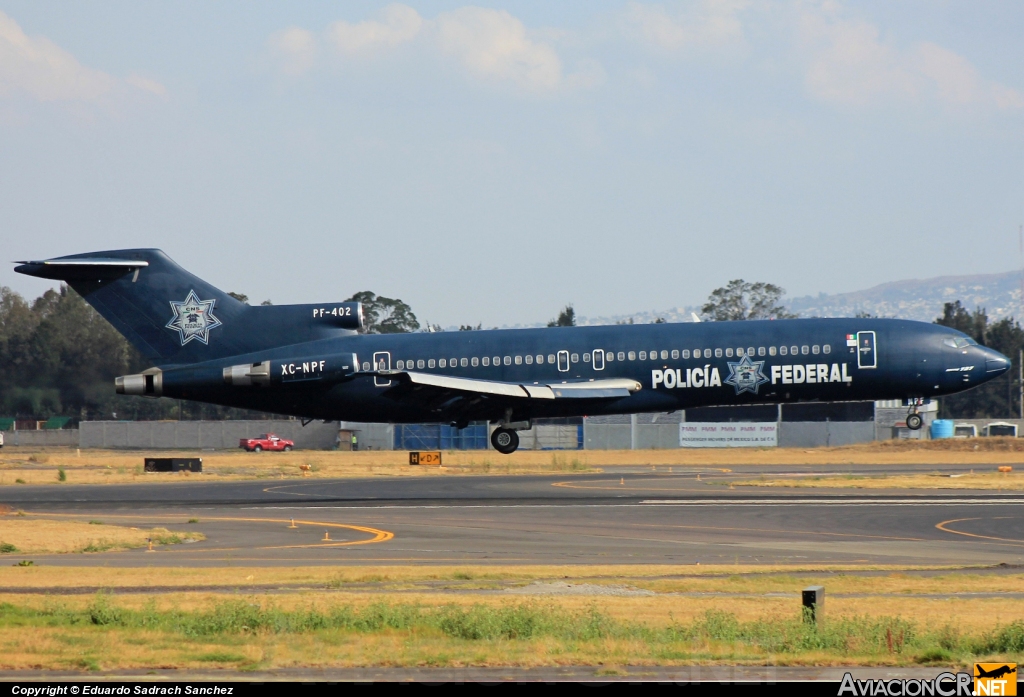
pixel 626 516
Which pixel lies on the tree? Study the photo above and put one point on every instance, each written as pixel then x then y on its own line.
pixel 741 300
pixel 566 318
pixel 470 327
pixel 240 297
pixel 385 315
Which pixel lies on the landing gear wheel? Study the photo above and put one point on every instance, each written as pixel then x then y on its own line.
pixel 914 421
pixel 505 441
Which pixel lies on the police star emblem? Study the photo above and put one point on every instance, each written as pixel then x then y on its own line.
pixel 193 318
pixel 746 375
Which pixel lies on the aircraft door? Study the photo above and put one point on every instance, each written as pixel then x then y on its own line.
pixel 563 361
pixel 598 357
pixel 381 361
pixel 867 355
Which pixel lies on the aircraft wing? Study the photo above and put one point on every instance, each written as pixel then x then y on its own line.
pixel 429 385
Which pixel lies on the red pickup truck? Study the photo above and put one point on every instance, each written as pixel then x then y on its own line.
pixel 265 441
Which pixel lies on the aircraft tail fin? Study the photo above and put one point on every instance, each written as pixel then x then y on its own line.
pixel 174 317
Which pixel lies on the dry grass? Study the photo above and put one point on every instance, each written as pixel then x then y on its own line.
pixel 105 645
pixel 34 536
pixel 34 636
pixel 1007 481
pixel 40 465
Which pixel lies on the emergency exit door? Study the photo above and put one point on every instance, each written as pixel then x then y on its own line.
pixel 381 361
pixel 867 354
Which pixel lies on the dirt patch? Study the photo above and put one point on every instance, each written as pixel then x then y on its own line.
pixel 563 588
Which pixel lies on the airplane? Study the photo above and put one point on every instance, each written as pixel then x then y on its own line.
pixel 995 672
pixel 312 362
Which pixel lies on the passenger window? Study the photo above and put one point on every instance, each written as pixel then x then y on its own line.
pixel 827 348
pixel 453 362
pixel 632 355
pixel 783 351
pixel 609 356
pixel 496 360
pixel 529 360
pixel 707 353
pixel 622 355
pixel 675 353
pixel 442 363
pixel 419 364
pixel 486 360
pixel 366 366
pixel 540 360
pixel 664 355
pixel 771 351
pixel 519 360
pixel 750 351
pixel 718 353
pixel 793 350
pixel 815 349
pixel 464 362
pixel 728 352
pixel 586 358
pixel 551 358
pixel 760 350
pixel 508 360
pixel 430 363
pixel 686 353
pixel 399 365
pixel 805 350
pixel 474 361
pixel 575 358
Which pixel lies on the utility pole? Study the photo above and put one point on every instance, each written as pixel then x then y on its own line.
pixel 1020 382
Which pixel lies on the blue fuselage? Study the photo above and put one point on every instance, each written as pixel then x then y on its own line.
pixel 678 365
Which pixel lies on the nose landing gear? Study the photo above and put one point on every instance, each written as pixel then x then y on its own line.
pixel 914 421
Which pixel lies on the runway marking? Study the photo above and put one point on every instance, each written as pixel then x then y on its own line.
pixel 802 532
pixel 378 535
pixel 943 527
pixel 279 488
pixel 831 502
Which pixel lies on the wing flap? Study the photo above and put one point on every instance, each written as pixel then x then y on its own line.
pixel 612 388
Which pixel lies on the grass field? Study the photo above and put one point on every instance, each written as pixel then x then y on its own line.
pixel 491 616
pixel 44 465
pixel 34 536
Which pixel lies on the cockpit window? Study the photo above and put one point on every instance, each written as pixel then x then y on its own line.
pixel 959 341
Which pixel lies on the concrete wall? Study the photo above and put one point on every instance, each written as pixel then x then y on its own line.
pixel 549 437
pixel 812 434
pixel 63 436
pixel 604 436
pixel 370 436
pixel 201 435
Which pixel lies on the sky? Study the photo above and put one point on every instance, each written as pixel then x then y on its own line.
pixel 490 163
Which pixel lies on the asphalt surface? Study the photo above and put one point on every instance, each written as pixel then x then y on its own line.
pixel 615 517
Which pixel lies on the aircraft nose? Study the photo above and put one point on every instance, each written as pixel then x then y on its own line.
pixel 995 363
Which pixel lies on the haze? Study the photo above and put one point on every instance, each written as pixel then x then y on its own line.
pixel 490 163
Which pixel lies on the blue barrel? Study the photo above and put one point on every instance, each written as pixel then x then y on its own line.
pixel 942 428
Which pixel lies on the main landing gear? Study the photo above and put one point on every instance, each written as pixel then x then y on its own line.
pixel 505 440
